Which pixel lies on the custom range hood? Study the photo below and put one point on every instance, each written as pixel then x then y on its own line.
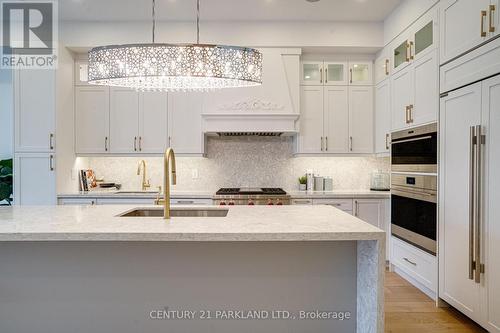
pixel 250 124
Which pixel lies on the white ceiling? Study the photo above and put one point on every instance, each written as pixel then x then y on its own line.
pixel 227 10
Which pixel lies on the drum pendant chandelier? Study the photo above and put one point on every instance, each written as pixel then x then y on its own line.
pixel 172 67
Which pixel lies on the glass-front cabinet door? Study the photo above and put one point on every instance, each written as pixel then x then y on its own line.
pixel 424 35
pixel 311 73
pixel 400 56
pixel 335 73
pixel 360 73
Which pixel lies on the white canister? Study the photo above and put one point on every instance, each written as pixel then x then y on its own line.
pixel 310 181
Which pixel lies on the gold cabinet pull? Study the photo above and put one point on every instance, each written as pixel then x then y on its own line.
pixel 406 114
pixel 483 15
pixel 326 143
pixel 321 143
pixel 387 141
pixel 321 75
pixel 135 143
pixel 106 143
pixel 326 75
pixel 411 54
pixel 410 112
pixel 350 75
pixel 51 162
pixel 492 26
pixel 407 50
pixel 140 143
pixel 350 143
pixel 386 66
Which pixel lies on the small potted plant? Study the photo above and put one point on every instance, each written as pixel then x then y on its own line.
pixel 303 183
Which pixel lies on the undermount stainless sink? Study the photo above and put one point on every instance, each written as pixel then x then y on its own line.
pixel 175 212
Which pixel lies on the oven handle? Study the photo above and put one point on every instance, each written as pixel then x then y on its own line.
pixel 424 196
pixel 415 139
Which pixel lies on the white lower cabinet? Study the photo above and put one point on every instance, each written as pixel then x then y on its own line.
pixel 371 211
pixel 342 204
pixel 469 232
pixel 34 179
pixel 131 201
pixel 415 265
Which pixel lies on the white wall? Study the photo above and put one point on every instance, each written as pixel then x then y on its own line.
pixel 6 114
pixel 274 34
pixel 403 16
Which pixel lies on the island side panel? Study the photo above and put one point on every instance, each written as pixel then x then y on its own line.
pixel 52 287
pixel 370 286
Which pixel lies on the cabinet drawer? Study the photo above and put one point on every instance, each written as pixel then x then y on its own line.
pixel 342 204
pixel 302 202
pixel 418 264
pixel 191 201
pixel 77 201
pixel 125 201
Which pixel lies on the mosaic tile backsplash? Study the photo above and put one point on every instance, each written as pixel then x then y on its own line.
pixel 242 161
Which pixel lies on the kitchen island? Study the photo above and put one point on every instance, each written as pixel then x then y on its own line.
pixel 258 269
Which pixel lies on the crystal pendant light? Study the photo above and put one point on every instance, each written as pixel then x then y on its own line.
pixel 172 67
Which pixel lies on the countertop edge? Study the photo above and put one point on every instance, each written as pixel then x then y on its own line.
pixel 193 237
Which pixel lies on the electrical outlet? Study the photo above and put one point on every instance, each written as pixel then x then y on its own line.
pixel 194 174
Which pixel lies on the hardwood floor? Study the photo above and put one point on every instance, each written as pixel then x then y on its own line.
pixel 408 310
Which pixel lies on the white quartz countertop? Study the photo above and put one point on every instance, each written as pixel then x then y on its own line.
pixel 340 194
pixel 242 223
pixel 209 195
pixel 135 194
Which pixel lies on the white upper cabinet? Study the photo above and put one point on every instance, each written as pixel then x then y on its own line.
pixel 382 67
pixel 35 110
pixel 311 138
pixel 466 24
pixel 414 93
pixel 311 73
pixel 360 73
pixel 123 120
pixel 382 117
pixel 332 73
pixel 185 130
pixel 361 119
pixel 335 73
pixel 153 122
pixel 425 103
pixel 91 119
pixel 336 117
pixel 401 92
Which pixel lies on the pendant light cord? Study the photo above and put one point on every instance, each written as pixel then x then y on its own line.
pixel 154 21
pixel 197 21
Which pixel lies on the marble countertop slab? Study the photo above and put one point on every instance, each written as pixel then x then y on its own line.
pixel 242 223
pixel 340 194
pixel 110 194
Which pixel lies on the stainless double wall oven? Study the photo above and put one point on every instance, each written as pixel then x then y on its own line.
pixel 414 155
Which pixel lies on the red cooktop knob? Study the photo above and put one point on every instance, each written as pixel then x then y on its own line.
pixel 231 203
pixel 279 202
pixel 222 203
pixel 250 202
pixel 270 202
